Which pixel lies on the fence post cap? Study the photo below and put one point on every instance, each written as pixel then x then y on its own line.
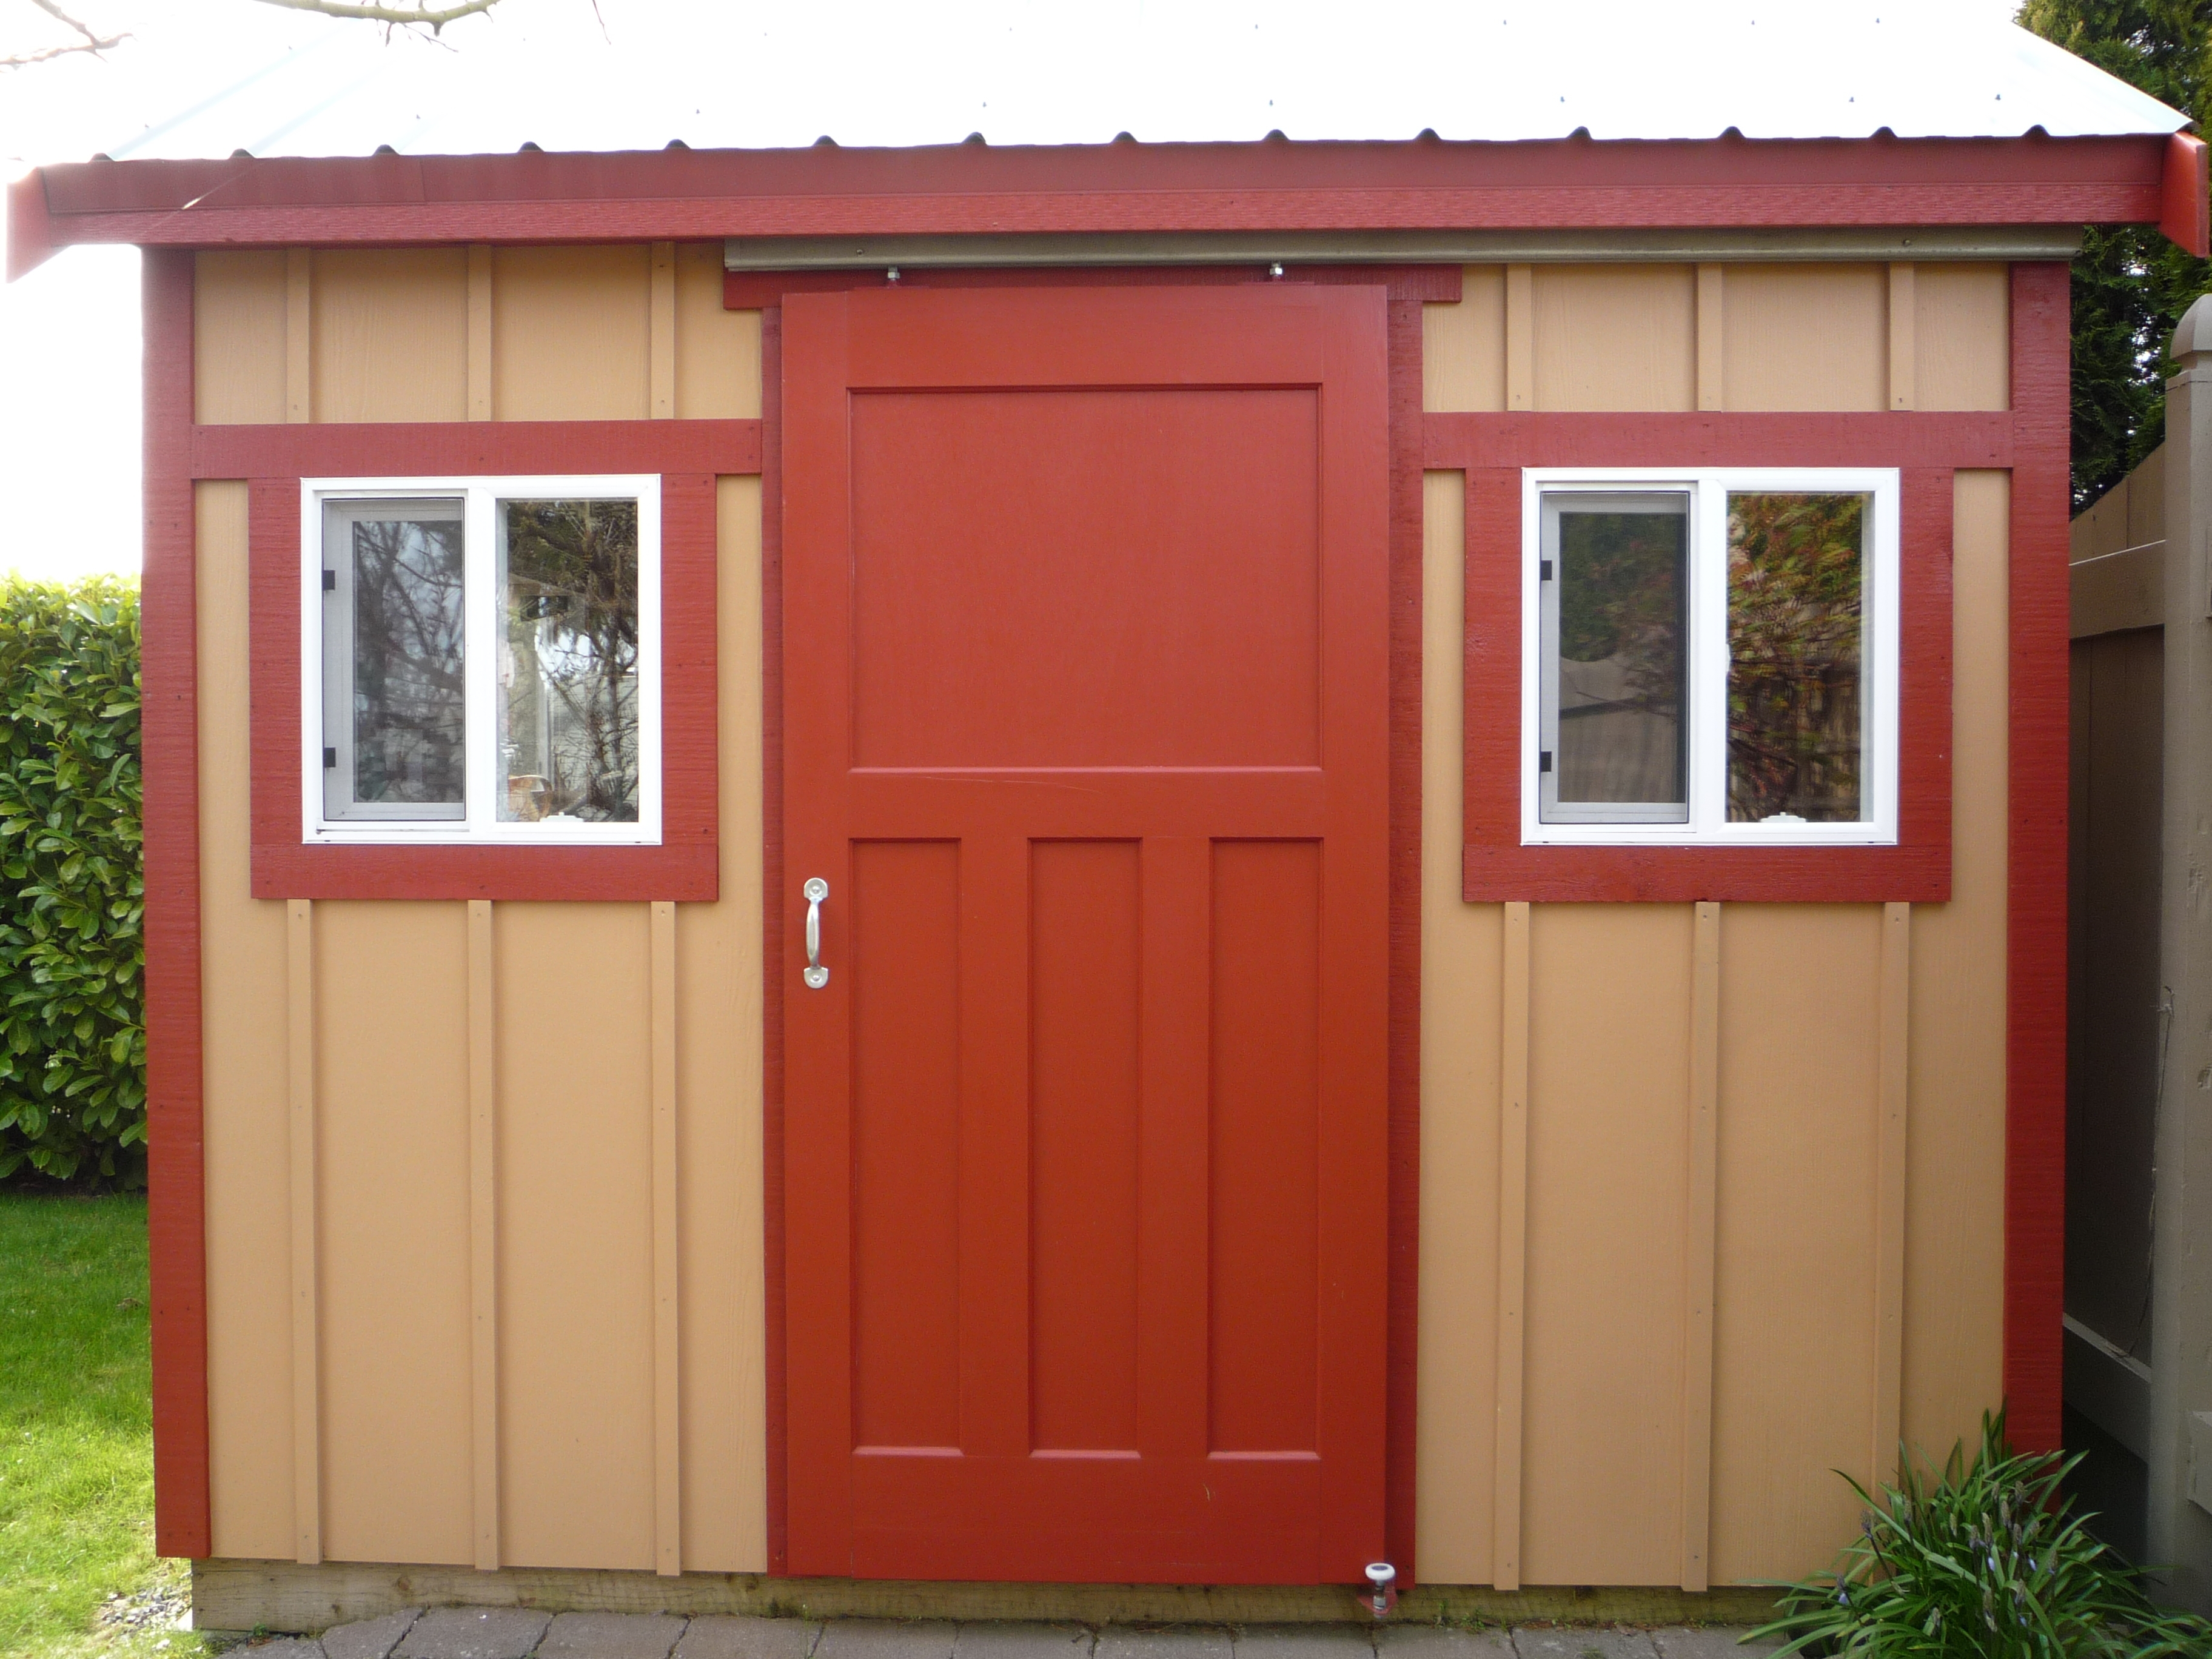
pixel 2194 334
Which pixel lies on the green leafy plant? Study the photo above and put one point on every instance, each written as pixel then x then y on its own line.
pixel 72 1026
pixel 1986 1560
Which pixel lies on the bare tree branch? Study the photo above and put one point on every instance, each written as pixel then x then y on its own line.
pixel 421 14
pixel 92 43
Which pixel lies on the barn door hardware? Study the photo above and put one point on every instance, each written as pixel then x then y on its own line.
pixel 1382 1579
pixel 815 891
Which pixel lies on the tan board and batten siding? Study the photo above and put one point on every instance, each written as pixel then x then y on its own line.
pixel 1698 1122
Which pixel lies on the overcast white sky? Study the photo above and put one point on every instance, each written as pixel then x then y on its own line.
pixel 204 77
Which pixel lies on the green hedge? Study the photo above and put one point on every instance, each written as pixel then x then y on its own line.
pixel 72 1020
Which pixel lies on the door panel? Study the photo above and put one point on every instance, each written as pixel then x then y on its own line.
pixel 1263 1151
pixel 1086 727
pixel 906 1142
pixel 1085 981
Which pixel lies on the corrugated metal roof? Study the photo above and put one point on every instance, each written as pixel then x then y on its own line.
pixel 882 72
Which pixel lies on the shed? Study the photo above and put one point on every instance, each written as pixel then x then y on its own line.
pixel 1097 876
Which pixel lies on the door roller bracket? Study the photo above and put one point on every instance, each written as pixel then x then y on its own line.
pixel 1382 1579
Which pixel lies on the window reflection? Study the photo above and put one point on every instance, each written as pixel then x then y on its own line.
pixel 568 661
pixel 1796 627
pixel 406 582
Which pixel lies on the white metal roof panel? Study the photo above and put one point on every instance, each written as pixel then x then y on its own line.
pixel 888 72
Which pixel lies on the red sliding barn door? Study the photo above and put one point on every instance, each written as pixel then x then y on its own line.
pixel 1086 727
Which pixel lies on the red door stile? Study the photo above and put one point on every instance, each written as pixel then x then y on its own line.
pixel 1086 625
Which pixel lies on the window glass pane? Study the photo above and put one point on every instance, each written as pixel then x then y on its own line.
pixel 1797 623
pixel 1622 576
pixel 405 592
pixel 569 667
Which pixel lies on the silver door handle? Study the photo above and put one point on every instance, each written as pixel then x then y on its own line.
pixel 815 891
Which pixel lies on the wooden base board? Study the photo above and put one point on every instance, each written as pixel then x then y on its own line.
pixel 281 1596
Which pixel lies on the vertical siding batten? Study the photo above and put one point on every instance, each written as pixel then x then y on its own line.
pixel 299 335
pixel 484 1238
pixel 668 1467
pixel 1512 1249
pixel 1712 358
pixel 1904 320
pixel 1520 337
pixel 660 331
pixel 1698 1249
pixel 307 1413
pixel 1889 1211
pixel 479 331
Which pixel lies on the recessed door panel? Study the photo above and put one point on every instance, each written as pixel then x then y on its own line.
pixel 1086 732
pixel 1086 940
pixel 1151 558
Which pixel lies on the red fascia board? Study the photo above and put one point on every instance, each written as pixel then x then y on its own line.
pixel 965 189
pixel 2184 208
pixel 30 232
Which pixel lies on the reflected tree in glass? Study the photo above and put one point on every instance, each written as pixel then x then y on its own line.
pixel 568 660
pixel 407 673
pixel 1797 632
pixel 1622 665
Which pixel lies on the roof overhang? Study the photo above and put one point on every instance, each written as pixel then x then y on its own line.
pixel 1340 193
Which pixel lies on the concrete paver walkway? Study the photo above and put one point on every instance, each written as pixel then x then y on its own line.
pixel 519 1633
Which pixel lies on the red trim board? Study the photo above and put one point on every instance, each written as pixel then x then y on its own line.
pixel 772 912
pixel 982 190
pixel 484 448
pixel 1494 448
pixel 2185 212
pixel 2035 942
pixel 685 865
pixel 176 1208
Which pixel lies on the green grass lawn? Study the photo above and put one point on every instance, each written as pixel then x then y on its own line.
pixel 76 1454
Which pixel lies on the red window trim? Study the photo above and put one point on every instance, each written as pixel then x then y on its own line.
pixel 1496 865
pixel 686 864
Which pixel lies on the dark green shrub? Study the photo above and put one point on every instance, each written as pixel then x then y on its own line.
pixel 1985 1561
pixel 72 1023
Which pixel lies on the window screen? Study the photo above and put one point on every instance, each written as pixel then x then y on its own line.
pixel 1615 575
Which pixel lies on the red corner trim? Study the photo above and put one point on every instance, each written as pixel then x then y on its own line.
pixel 2035 967
pixel 685 867
pixel 2184 209
pixel 30 230
pixel 1494 447
pixel 176 1198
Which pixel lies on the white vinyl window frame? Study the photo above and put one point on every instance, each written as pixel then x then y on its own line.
pixel 478 823
pixel 1704 723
